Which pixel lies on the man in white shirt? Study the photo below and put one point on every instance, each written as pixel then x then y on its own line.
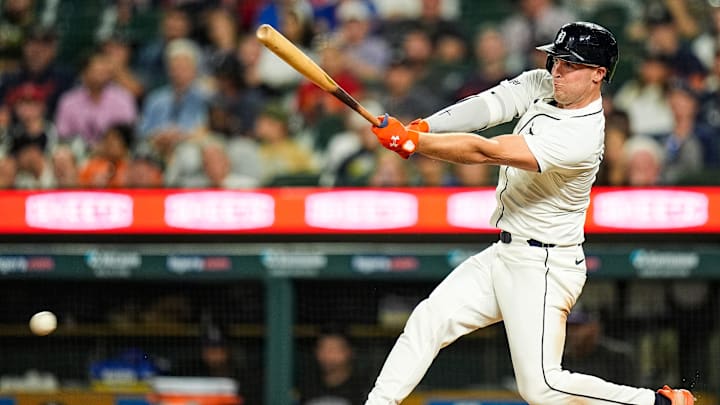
pixel 533 275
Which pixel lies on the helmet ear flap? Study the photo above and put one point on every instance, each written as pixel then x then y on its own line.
pixel 549 62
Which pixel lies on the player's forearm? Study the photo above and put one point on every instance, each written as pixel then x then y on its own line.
pixel 467 148
pixel 462 148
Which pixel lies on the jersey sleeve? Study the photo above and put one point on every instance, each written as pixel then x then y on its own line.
pixel 567 145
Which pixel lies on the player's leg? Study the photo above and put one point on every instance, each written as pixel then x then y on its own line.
pixel 460 304
pixel 535 291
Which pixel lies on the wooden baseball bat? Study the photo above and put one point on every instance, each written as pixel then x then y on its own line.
pixel 287 51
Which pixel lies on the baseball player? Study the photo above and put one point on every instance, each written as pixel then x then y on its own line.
pixel 533 275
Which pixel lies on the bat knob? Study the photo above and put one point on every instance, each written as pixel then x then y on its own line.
pixel 384 122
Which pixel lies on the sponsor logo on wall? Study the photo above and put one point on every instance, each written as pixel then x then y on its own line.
pixel 181 264
pixel 659 264
pixel 112 264
pixel 11 264
pixel 283 263
pixel 368 264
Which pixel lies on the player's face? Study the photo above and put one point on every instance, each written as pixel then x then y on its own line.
pixel 575 84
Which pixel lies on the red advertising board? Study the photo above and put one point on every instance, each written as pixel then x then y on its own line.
pixel 329 211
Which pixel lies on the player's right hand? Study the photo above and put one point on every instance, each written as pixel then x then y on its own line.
pixel 393 135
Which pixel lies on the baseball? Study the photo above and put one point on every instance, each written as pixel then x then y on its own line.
pixel 43 323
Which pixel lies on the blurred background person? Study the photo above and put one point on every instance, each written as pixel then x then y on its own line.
pixel 178 110
pixel 350 156
pixel 336 377
pixel 152 55
pixel 535 22
pixel 389 171
pixel 588 350
pixel 65 166
pixel 613 168
pixel 645 159
pixel 145 171
pixel 39 66
pixel 645 95
pixel 119 51
pixel 279 78
pixel 89 109
pixel 684 152
pixel 107 167
pixel 367 53
pixel 33 166
pixel 280 153
pixel 489 62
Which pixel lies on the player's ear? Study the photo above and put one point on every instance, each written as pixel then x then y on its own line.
pixel 599 74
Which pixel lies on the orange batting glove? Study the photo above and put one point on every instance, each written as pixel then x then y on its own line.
pixel 393 135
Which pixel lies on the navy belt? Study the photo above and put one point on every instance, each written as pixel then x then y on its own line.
pixel 506 237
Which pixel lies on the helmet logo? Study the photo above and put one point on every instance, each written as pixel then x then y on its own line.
pixel 560 37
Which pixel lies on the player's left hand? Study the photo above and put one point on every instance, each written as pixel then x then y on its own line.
pixel 394 136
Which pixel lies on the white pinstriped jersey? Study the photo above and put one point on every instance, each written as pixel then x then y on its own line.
pixel 550 205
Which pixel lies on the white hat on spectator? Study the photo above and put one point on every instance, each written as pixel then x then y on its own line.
pixel 353 10
pixel 182 47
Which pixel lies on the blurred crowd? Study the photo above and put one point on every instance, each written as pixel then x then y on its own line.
pixel 179 93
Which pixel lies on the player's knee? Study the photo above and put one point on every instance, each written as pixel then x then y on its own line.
pixel 542 389
pixel 536 393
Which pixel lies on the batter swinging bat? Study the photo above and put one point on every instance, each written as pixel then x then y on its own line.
pixel 294 57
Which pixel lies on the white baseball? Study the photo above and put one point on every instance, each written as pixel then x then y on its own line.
pixel 43 323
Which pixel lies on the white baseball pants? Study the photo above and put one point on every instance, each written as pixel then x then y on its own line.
pixel 532 290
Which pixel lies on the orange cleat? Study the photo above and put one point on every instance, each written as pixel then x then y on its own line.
pixel 677 397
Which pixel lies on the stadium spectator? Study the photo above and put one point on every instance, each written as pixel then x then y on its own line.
pixel 89 109
pixel 367 54
pixel 280 154
pixel 684 152
pixel 431 172
pixel 131 19
pixel 119 52
pixel 145 171
pixel 613 169
pixel 350 155
pixel 315 104
pixel 450 66
pixel 489 61
pixel 474 175
pixel 235 105
pixel 389 171
pixel 588 350
pixel 222 34
pixel 277 76
pixel 272 11
pixel 40 67
pixel 218 169
pixel 108 166
pixel 335 378
pixel 178 110
pixel 664 38
pixel 8 171
pixel 151 57
pixel 65 167
pixel 536 22
pixel 16 18
pixel 404 96
pixel 34 169
pixel 645 159
pixel 27 103
pixel 645 95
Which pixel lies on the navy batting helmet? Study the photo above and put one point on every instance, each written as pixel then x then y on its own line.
pixel 585 43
